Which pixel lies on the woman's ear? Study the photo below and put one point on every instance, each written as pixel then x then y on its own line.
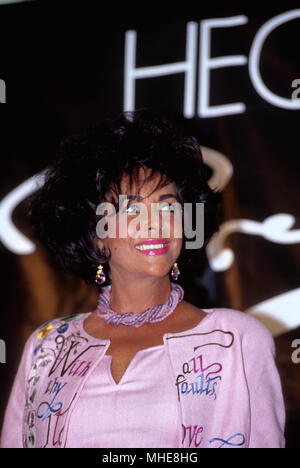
pixel 100 244
pixel 104 250
pixel 102 247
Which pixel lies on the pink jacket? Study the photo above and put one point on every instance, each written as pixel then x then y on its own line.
pixel 226 384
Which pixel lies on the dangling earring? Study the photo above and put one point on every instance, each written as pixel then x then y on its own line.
pixel 175 272
pixel 100 275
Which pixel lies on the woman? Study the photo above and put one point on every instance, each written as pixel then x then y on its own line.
pixel 145 368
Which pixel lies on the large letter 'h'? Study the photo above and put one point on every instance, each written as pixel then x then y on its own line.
pixel 188 67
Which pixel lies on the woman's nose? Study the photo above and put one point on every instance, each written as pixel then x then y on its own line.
pixel 155 223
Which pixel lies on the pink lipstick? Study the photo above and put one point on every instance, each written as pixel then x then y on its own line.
pixel 153 246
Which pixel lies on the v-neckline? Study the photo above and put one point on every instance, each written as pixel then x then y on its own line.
pixel 209 313
pixel 123 377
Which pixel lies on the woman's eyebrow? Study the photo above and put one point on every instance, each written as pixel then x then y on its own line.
pixel 168 195
pixel 162 197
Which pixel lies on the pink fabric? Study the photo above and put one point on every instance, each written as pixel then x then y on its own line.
pixel 117 405
pixel 217 386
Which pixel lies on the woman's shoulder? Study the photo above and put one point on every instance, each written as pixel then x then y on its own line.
pixel 224 316
pixel 57 325
pixel 240 323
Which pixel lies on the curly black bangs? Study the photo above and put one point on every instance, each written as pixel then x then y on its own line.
pixel 89 169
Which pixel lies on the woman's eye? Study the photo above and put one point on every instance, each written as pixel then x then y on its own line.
pixel 132 209
pixel 167 207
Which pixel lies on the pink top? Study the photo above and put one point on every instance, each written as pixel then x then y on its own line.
pixel 213 386
pixel 114 424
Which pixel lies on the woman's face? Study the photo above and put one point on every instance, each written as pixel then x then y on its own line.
pixel 150 239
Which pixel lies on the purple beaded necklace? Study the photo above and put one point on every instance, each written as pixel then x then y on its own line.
pixel 153 314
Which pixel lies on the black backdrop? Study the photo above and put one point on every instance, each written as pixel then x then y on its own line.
pixel 64 67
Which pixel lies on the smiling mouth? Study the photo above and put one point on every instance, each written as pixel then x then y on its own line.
pixel 153 249
pixel 151 246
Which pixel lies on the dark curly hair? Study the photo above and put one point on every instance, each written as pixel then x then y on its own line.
pixel 90 165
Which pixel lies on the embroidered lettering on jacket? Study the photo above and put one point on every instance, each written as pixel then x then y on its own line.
pixel 46 413
pixel 239 440
pixel 63 357
pixel 198 376
pixel 45 408
pixel 193 436
pixel 204 378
